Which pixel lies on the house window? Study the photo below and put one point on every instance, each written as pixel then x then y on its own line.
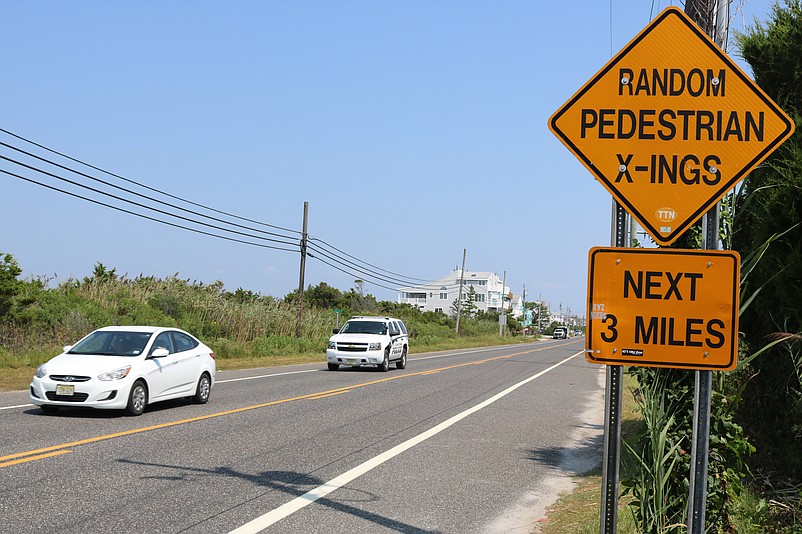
pixel 443 296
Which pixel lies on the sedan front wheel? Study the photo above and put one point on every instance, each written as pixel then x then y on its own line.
pixel 137 399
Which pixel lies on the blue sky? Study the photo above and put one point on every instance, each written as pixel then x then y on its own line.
pixel 413 129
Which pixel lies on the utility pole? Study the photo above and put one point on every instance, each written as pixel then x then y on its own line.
pixel 539 310
pixel 461 280
pixel 502 321
pixel 304 239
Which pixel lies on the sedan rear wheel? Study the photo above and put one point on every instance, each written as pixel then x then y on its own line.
pixel 137 399
pixel 203 390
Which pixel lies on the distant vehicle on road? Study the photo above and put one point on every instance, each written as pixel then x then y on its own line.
pixel 560 332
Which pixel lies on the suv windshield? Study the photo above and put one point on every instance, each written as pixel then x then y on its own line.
pixel 112 344
pixel 364 327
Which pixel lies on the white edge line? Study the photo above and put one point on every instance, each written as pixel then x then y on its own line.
pixel 270 518
pixel 17 406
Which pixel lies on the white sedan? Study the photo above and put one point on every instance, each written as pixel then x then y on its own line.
pixel 126 368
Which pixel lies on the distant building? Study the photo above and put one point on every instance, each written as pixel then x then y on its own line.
pixel 438 296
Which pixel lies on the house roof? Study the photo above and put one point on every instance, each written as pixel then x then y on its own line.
pixel 451 278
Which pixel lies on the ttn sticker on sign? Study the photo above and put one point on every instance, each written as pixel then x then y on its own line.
pixel 663 308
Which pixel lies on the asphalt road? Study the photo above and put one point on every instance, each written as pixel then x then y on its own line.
pixel 471 441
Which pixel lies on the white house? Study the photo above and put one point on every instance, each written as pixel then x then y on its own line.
pixel 438 296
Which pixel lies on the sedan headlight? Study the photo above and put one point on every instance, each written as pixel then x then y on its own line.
pixel 375 346
pixel 117 374
pixel 41 372
pixel 332 345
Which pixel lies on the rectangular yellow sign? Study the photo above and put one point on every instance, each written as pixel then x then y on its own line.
pixel 663 308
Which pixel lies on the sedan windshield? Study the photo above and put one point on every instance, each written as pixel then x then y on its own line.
pixel 112 344
pixel 364 327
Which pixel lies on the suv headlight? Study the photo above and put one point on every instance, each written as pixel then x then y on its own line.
pixel 117 374
pixel 375 346
pixel 41 372
pixel 332 344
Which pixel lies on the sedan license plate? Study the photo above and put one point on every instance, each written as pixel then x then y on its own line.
pixel 65 390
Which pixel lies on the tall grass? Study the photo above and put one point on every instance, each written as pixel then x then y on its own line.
pixel 657 506
pixel 241 327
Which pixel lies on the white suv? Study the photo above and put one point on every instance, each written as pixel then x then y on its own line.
pixel 561 332
pixel 369 341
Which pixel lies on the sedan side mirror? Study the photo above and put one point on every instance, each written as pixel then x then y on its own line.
pixel 160 352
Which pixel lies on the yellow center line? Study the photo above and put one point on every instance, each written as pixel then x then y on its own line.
pixel 54 450
pixel 37 457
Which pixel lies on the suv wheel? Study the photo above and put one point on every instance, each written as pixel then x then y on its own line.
pixel 385 365
pixel 333 367
pixel 402 363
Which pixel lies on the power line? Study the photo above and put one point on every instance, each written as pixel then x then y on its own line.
pixel 352 274
pixel 30 180
pixel 366 263
pixel 140 195
pixel 371 273
pixel 358 267
pixel 41 171
pixel 43 147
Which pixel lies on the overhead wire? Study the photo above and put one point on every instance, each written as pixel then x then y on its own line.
pixel 366 263
pixel 129 201
pixel 94 201
pixel 120 188
pixel 352 274
pixel 342 261
pixel 43 147
pixel 359 267
pixel 360 272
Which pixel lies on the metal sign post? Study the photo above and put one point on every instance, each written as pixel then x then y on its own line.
pixel 611 460
pixel 703 384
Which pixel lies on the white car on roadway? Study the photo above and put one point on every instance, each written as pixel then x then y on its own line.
pixel 560 332
pixel 369 341
pixel 126 367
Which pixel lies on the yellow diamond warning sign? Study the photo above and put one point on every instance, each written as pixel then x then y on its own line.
pixel 670 124
pixel 663 308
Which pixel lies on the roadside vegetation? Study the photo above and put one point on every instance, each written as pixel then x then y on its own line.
pixel 754 480
pixel 244 329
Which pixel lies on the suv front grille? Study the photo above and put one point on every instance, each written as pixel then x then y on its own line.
pixel 352 347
